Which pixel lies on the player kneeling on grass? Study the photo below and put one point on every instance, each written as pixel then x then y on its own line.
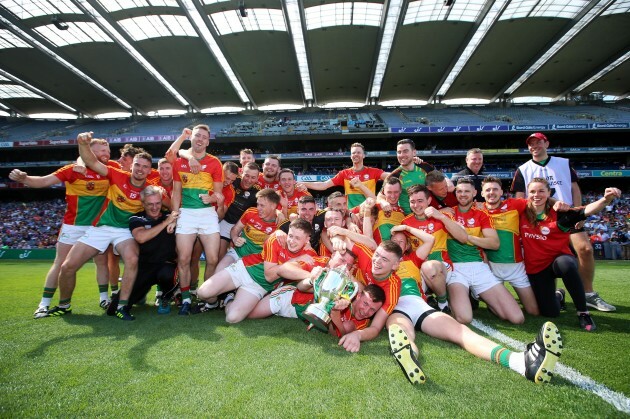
pixel 256 275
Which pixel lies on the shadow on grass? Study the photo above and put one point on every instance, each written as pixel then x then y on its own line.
pixel 149 329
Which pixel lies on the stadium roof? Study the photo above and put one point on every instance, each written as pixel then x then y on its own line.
pixel 92 57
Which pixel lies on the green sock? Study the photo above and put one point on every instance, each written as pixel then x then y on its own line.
pixel 65 303
pixel 442 301
pixel 186 294
pixel 102 291
pixel 501 356
pixel 49 292
pixel 47 296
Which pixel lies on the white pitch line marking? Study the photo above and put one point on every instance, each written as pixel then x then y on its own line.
pixel 618 400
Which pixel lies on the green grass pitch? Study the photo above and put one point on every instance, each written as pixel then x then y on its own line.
pixel 87 364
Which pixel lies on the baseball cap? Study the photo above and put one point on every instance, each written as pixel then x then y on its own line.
pixel 538 136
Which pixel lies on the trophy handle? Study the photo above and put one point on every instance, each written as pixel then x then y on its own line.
pixel 351 290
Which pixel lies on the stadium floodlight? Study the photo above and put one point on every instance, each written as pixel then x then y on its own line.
pixel 603 72
pixel 35 90
pixel 59 23
pixel 112 32
pixel 568 36
pixel 33 42
pixel 394 10
pixel 488 21
pixel 297 33
pixel 211 43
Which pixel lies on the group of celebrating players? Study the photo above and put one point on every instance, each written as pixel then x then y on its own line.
pixel 423 251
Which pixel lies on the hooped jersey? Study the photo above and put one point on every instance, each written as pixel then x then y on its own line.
pixel 274 253
pixel 255 232
pixel 474 221
pixel 385 221
pixel 409 273
pixel 435 228
pixel 123 200
pixel 368 176
pixel 391 285
pixel 505 220
pixel 85 195
pixel 195 184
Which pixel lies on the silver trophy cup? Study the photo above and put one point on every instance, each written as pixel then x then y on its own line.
pixel 331 284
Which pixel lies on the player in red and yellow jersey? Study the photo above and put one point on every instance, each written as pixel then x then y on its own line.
pixel 255 275
pixel 506 262
pixel 366 178
pixel 430 274
pixel 85 194
pixel 471 231
pixel 253 228
pixel 290 195
pixel 374 267
pixel 390 214
pixel 331 218
pixel 291 302
pixel 111 227
pixel 165 181
pixel 269 176
pixel 419 200
pixel 193 195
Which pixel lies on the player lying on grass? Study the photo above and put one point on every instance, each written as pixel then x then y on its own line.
pixel 413 313
pixel 346 317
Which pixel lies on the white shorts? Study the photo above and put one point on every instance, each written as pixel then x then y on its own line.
pixel 280 302
pixel 101 237
pixel 449 272
pixel 474 275
pixel 242 279
pixel 232 253
pixel 413 307
pixel 514 273
pixel 224 229
pixel 70 234
pixel 202 221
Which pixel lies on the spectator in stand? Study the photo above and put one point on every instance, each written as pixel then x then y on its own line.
pixel 30 225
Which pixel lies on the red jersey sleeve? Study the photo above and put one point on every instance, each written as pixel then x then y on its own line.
pixel 65 173
pixel 271 250
pixel 338 179
pixel 484 220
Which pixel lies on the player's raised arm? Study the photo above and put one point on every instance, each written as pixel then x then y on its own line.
pixel 34 181
pixel 87 154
